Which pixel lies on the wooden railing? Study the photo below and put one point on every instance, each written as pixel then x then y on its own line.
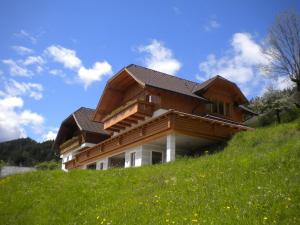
pixel 155 128
pixel 70 144
pixel 128 114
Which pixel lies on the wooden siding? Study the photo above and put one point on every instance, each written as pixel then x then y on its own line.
pixel 154 128
pixel 182 103
pixel 225 93
pixel 70 144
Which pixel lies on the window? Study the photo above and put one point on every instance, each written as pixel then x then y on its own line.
pixel 156 157
pixel 214 107
pixel 132 159
pixel 220 107
pixel 101 166
pixel 91 166
pixel 227 109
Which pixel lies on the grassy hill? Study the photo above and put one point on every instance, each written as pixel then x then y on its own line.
pixel 255 180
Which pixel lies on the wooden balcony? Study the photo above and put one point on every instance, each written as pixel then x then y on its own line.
pixel 157 127
pixel 70 144
pixel 127 115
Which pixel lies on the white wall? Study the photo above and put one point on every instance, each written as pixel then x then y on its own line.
pixel 138 156
pixel 147 153
pixel 105 164
pixel 143 154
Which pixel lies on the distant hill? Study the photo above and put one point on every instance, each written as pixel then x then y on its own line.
pixel 255 180
pixel 26 152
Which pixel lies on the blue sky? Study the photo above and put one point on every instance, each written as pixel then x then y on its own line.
pixel 56 56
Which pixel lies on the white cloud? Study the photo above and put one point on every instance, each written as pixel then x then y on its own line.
pixel 239 64
pixel 160 58
pixel 24 34
pixel 14 88
pixel 16 69
pixel 50 135
pixel 211 25
pixel 69 59
pixel 33 60
pixel 21 50
pixel 13 120
pixel 87 76
pixel 65 56
pixel 11 102
pixel 282 83
pixel 56 72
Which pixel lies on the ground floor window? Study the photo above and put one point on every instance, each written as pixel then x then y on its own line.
pixel 156 157
pixel 101 166
pixel 132 159
pixel 91 166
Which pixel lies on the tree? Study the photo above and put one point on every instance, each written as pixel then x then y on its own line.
pixel 273 104
pixel 283 48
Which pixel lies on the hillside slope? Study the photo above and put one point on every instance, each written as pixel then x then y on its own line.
pixel 255 180
pixel 26 152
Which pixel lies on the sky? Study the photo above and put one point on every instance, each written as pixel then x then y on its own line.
pixel 56 56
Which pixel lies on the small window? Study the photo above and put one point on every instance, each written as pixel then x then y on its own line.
pixel 156 157
pixel 214 107
pixel 132 159
pixel 221 108
pixel 101 166
pixel 227 109
pixel 91 166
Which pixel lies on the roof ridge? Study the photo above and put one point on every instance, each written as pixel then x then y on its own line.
pixel 174 76
pixel 83 107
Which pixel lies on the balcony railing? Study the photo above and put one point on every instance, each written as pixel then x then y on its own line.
pixel 128 114
pixel 70 144
pixel 155 128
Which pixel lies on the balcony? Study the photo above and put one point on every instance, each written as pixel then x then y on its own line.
pixel 128 114
pixel 70 144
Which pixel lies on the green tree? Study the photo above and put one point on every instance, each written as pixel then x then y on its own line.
pixel 273 104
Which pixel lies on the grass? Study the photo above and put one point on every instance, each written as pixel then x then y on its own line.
pixel 255 180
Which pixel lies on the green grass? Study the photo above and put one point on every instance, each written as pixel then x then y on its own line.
pixel 255 180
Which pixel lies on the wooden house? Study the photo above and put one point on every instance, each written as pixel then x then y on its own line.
pixel 146 117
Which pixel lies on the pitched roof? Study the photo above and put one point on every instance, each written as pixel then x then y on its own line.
pixel 206 84
pixel 83 118
pixel 162 80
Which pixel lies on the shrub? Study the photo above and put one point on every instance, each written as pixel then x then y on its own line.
pixel 52 165
pixel 2 163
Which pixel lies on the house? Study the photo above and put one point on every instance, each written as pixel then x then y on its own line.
pixel 147 117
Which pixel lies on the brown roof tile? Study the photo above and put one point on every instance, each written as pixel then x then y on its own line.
pixel 84 119
pixel 162 80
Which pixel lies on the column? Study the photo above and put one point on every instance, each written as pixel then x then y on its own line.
pixel 171 148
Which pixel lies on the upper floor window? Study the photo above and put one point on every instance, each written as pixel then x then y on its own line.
pixel 153 99
pixel 220 107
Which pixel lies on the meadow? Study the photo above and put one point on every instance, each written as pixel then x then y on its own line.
pixel 254 180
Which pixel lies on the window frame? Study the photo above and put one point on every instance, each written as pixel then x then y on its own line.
pixel 220 107
pixel 132 159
